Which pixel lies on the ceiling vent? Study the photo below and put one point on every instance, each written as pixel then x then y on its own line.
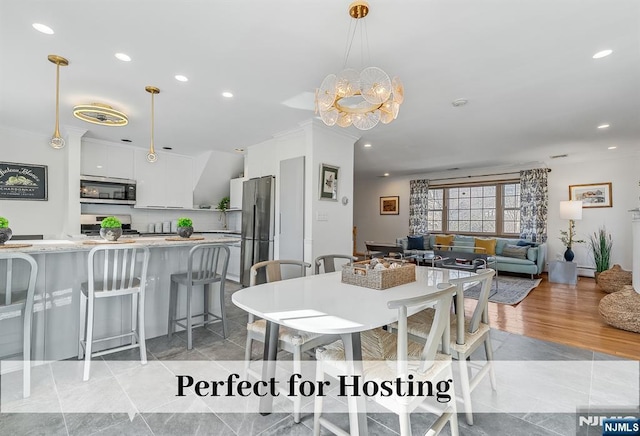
pixel 102 114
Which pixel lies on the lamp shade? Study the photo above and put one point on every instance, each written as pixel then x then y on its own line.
pixel 571 210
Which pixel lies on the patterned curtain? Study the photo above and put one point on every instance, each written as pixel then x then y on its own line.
pixel 533 204
pixel 418 194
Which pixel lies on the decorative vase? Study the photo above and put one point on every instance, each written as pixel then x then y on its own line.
pixel 568 255
pixel 5 234
pixel 185 232
pixel 111 233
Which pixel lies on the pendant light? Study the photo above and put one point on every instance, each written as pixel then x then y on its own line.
pixel 57 141
pixel 151 156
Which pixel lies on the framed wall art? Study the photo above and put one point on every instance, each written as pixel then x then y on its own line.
pixel 328 182
pixel 20 181
pixel 390 205
pixel 592 195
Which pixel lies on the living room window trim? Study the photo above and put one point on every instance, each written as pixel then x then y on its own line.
pixel 499 210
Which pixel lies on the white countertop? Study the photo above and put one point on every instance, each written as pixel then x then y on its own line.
pixel 63 245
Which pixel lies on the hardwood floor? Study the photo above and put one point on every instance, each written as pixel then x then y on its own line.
pixel 565 314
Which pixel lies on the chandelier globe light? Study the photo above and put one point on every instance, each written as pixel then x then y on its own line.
pixel 152 156
pixel 56 140
pixel 359 98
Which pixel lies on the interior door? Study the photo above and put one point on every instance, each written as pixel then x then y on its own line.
pixel 291 191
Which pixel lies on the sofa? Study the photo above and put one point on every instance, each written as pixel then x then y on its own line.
pixel 511 255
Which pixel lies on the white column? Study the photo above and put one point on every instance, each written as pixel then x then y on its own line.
pixel 635 232
pixel 74 148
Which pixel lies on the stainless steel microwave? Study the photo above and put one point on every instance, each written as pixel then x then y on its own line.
pixel 107 190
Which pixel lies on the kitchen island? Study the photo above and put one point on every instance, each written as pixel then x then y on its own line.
pixel 62 268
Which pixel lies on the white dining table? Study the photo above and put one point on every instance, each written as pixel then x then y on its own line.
pixel 323 304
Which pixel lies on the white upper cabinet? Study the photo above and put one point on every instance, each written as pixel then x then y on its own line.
pixel 235 193
pixel 106 161
pixel 168 182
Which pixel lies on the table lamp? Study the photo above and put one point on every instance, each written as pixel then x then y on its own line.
pixel 572 211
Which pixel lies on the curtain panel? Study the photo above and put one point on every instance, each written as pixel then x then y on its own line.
pixel 533 204
pixel 418 196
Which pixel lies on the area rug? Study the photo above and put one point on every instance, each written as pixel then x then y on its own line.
pixel 511 290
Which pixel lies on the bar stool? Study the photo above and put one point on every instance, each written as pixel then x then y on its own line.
pixel 114 271
pixel 207 264
pixel 19 298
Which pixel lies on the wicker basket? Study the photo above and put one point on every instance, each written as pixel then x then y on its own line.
pixel 614 279
pixel 358 274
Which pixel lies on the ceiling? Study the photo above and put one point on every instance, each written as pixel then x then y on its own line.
pixel 525 67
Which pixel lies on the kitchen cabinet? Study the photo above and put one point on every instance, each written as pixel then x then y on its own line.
pixel 107 161
pixel 233 269
pixel 235 193
pixel 166 183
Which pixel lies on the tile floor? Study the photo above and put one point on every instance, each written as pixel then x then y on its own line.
pixel 210 345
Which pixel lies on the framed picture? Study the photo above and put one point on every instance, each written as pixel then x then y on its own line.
pixel 23 181
pixel 390 205
pixel 592 195
pixel 328 182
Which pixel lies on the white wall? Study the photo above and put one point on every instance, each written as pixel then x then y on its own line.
pixel 214 170
pixel 36 217
pixel 621 171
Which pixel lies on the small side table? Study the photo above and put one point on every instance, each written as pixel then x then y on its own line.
pixel 563 272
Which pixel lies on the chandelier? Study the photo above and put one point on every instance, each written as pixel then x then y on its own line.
pixel 361 99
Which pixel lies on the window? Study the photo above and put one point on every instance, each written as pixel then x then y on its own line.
pixel 492 209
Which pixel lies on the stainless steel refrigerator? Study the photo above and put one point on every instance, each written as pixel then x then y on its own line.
pixel 258 208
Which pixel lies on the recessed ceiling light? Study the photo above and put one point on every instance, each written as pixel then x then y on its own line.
pixel 459 102
pixel 386 174
pixel 227 94
pixel 125 140
pixel 602 54
pixel 613 147
pixel 367 145
pixel 98 166
pixel 239 150
pixel 43 29
pixel 558 156
pixel 123 57
pixel 167 148
pixel 603 126
pixel 181 78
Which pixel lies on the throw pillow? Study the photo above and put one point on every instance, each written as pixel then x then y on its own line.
pixel 532 254
pixel 515 251
pixel 489 246
pixel 522 243
pixel 415 242
pixel 443 242
pixel 463 246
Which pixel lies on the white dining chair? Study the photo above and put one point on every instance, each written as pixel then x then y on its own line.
pixel 466 335
pixel 16 297
pixel 387 356
pixel 114 271
pixel 328 262
pixel 207 265
pixel 294 341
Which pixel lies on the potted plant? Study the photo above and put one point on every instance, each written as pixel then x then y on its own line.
pixel 110 228
pixel 223 205
pixel 185 227
pixel 5 231
pixel 567 239
pixel 600 243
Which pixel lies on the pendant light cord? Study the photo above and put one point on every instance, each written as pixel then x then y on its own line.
pixel 56 134
pixel 152 149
